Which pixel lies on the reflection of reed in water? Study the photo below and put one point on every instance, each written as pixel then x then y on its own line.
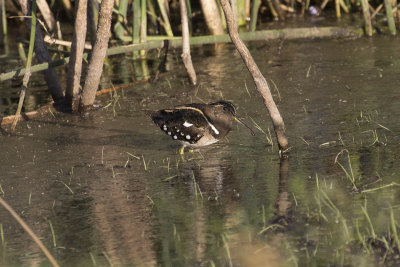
pixel 122 220
pixel 277 240
pixel 227 211
pixel 283 202
pixel 212 185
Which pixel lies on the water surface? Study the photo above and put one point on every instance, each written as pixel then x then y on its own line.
pixel 115 190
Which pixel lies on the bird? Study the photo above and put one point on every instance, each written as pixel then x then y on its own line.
pixel 197 125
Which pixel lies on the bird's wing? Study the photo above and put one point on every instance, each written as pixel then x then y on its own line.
pixel 182 123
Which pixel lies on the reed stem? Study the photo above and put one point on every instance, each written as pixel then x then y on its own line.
pixel 367 17
pixel 389 15
pixel 143 26
pixel 164 14
pixel 4 17
pixel 136 25
pixel 27 74
pixel 29 230
pixel 254 13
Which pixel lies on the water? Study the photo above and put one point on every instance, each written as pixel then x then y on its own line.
pixel 233 203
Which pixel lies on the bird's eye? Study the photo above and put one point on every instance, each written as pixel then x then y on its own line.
pixel 225 108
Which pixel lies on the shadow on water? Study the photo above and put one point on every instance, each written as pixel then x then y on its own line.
pixel 115 190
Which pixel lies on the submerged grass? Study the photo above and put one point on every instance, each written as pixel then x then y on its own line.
pixel 349 173
pixel 93 259
pixel 394 225
pixel 372 231
pixel 197 190
pixel 329 203
pixel 53 233
pixel 247 89
pixel 227 249
pixel 267 136
pixel 392 184
pixel 145 165
pixel 359 232
pixel 69 188
pixel 108 258
pixel 272 226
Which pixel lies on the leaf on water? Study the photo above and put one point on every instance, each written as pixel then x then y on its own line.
pixel 387 129
pixel 327 144
pixel 169 178
pixel 136 157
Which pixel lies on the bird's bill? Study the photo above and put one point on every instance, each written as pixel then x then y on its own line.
pixel 245 125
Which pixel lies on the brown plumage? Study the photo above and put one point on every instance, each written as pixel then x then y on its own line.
pixel 196 124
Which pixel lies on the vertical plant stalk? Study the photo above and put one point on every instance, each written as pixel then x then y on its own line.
pixel 4 17
pixel 92 19
pixel 21 53
pixel 389 15
pixel 258 78
pixel 75 61
pixel 278 9
pixel 254 14
pixel 27 74
pixel 42 55
pixel 118 27
pixel 164 14
pixel 344 6
pixel 29 230
pixel 212 16
pixel 136 25
pixel 367 17
pixel 143 26
pixel 397 14
pixel 52 23
pixel 95 68
pixel 187 59
pixel 152 12
pixel 272 9
pixel 337 7
pixel 307 5
pixel 4 27
pixel 189 14
pixel 240 11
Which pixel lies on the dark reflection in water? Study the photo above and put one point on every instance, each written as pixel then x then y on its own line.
pixel 283 201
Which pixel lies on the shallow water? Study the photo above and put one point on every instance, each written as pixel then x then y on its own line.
pixel 233 203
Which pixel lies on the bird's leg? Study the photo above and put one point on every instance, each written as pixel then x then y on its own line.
pixel 182 150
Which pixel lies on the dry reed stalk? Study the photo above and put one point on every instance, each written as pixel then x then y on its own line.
pixel 258 78
pixel 29 231
pixel 376 11
pixel 51 40
pixel 389 15
pixel 187 59
pixel 212 16
pixel 95 68
pixel 76 56
pixel 337 8
pixel 367 17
